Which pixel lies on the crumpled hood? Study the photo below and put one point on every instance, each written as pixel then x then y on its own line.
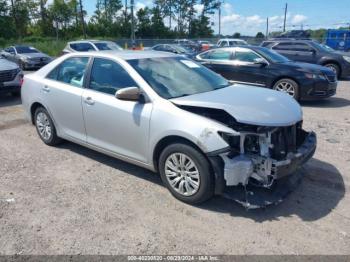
pixel 7 65
pixel 249 105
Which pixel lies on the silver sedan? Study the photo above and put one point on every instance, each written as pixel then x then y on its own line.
pixel 173 116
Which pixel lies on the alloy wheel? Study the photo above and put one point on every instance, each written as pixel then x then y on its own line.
pixel 44 126
pixel 286 87
pixel 182 174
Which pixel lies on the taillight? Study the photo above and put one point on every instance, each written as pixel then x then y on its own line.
pixel 21 81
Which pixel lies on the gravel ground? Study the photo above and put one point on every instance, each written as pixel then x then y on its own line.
pixel 71 200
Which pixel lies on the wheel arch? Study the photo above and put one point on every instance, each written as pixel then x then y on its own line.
pixel 284 77
pixel 331 61
pixel 168 140
pixel 33 108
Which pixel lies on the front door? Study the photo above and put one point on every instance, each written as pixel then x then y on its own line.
pixel 115 125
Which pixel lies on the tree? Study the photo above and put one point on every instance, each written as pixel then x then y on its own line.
pixel 144 26
pixel 236 35
pixel 260 35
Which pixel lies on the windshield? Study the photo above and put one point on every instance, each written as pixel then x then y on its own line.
pixel 172 77
pixel 107 46
pixel 272 55
pixel 26 50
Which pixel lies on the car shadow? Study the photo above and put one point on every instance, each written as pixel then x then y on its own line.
pixel 113 162
pixel 9 100
pixel 318 194
pixel 333 102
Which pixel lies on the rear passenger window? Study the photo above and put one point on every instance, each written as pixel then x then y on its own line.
pixel 283 46
pixel 70 71
pixel 108 77
pixel 220 55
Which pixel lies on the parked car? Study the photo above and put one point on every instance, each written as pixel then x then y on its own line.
pixel 231 42
pixel 310 51
pixel 27 57
pixel 296 34
pixel 260 66
pixel 90 45
pixel 188 44
pixel 172 115
pixel 204 45
pixel 174 48
pixel 10 77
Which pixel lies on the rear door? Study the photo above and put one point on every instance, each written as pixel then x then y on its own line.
pixel 62 91
pixel 111 124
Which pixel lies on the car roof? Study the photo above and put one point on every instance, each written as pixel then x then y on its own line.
pixel 231 39
pixel 89 41
pixel 288 40
pixel 127 54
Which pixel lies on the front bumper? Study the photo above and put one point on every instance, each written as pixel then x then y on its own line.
pixel 287 175
pixel 12 86
pixel 345 70
pixel 318 89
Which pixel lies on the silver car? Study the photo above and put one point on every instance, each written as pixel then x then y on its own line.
pixel 27 57
pixel 10 77
pixel 90 45
pixel 171 115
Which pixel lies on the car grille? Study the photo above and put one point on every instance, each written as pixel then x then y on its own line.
pixel 8 75
pixel 331 78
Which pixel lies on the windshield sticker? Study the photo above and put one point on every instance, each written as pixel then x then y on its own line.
pixel 190 64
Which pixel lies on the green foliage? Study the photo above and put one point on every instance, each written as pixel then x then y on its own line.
pixel 260 35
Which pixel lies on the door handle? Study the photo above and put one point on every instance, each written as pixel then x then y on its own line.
pixel 46 89
pixel 89 101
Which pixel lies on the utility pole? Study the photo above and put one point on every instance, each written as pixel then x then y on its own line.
pixel 285 18
pixel 220 19
pixel 126 11
pixel 82 18
pixel 132 24
pixel 267 28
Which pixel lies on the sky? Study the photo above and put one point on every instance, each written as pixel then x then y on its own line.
pixel 249 16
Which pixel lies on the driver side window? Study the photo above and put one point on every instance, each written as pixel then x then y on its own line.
pixel 246 56
pixel 108 77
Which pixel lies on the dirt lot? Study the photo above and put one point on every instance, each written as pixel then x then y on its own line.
pixel 71 200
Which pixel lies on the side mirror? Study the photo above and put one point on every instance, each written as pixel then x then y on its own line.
pixel 129 94
pixel 260 61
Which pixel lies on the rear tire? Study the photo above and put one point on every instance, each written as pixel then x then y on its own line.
pixel 45 127
pixel 335 68
pixel 289 87
pixel 191 179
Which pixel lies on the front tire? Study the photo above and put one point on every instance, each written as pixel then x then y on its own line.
pixel 288 86
pixel 186 173
pixel 335 68
pixel 45 127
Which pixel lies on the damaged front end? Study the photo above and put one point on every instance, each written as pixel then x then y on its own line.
pixel 263 162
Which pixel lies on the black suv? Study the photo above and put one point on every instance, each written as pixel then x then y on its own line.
pixel 310 51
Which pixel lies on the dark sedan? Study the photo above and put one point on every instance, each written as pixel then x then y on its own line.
pixel 260 66
pixel 176 49
pixel 27 57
